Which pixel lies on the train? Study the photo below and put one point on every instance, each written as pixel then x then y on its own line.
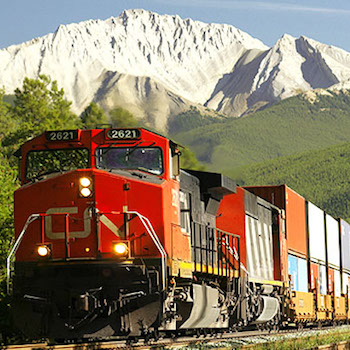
pixel 113 239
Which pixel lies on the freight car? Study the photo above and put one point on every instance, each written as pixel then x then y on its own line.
pixel 113 239
pixel 318 258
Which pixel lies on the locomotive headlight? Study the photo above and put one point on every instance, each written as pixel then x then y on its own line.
pixel 85 187
pixel 85 182
pixel 43 251
pixel 85 192
pixel 121 249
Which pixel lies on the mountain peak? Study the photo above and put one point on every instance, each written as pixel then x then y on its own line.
pixel 285 41
pixel 157 65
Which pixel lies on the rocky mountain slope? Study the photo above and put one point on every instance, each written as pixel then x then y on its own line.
pixel 159 65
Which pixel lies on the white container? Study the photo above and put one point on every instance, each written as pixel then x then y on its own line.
pixel 345 244
pixel 302 276
pixel 317 242
pixel 337 283
pixel 333 247
pixel 323 279
pixel 345 282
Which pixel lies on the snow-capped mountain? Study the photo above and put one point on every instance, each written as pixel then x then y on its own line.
pixel 158 65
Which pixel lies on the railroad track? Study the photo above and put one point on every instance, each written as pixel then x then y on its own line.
pixel 246 338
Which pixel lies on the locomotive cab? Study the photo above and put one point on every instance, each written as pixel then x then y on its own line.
pixel 84 184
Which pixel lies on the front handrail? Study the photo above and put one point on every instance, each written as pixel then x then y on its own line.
pixel 150 230
pixel 144 220
pixel 148 226
pixel 15 247
pixel 18 242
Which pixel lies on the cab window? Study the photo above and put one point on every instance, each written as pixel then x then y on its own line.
pixel 44 162
pixel 148 159
pixel 185 212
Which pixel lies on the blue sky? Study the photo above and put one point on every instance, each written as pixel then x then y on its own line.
pixel 323 20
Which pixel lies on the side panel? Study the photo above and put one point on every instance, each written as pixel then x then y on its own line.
pixel 298 273
pixel 337 283
pixel 231 218
pixel 317 241
pixel 302 275
pixel 259 245
pixel 330 281
pixel 296 222
pixel 293 271
pixel 323 279
pixel 333 251
pixel 314 277
pixel 345 244
pixel 345 283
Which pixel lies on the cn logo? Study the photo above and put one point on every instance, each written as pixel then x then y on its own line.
pixel 73 234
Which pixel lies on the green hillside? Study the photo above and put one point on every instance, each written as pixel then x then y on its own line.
pixel 321 176
pixel 291 126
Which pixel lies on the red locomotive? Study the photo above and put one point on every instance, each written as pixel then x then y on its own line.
pixel 113 239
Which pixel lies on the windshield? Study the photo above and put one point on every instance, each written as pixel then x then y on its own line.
pixel 45 162
pixel 147 159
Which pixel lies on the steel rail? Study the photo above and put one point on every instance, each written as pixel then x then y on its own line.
pixel 184 341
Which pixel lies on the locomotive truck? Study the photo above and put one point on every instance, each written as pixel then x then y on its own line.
pixel 114 239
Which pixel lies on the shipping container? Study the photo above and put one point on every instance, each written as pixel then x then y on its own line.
pixel 322 277
pixel 314 277
pixel 298 273
pixel 337 283
pixel 294 207
pixel 345 245
pixel 302 275
pixel 293 271
pixel 345 282
pixel 333 244
pixel 330 281
pixel 317 241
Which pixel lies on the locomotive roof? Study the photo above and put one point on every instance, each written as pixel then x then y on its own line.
pixel 94 131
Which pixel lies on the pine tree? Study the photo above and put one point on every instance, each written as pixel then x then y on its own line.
pixel 39 106
pixel 122 118
pixel 93 116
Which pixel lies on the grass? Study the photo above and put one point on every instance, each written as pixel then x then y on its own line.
pixel 285 342
pixel 308 342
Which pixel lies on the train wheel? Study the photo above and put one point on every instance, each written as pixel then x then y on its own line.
pixel 156 335
pixel 276 328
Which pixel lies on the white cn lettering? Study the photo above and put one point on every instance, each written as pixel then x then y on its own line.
pixel 72 234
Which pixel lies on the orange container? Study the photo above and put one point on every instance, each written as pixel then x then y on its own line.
pixel 314 277
pixel 294 206
pixel 330 280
